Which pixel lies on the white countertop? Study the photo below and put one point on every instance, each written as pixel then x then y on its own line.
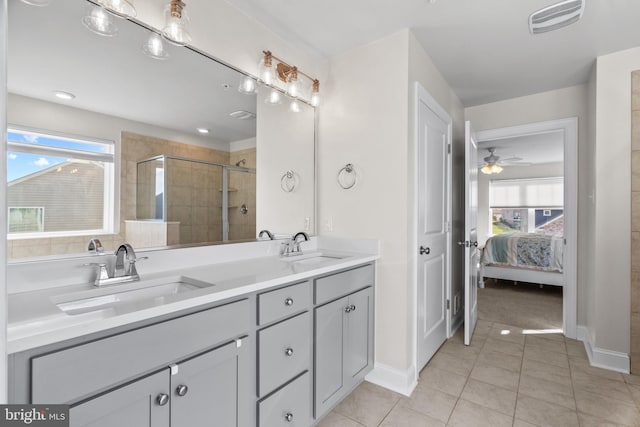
pixel 35 319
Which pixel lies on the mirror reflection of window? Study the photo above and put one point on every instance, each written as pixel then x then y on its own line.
pixel 58 185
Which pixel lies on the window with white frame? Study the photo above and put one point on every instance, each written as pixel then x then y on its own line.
pixel 59 185
pixel 532 205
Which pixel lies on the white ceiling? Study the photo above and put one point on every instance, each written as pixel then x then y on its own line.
pixel 482 47
pixel 535 149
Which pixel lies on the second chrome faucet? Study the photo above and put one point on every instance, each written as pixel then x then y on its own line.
pixel 292 247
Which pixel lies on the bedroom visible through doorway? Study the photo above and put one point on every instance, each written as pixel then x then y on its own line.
pixel 526 226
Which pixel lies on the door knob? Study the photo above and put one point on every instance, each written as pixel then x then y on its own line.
pixel 182 390
pixel 424 251
pixel 162 399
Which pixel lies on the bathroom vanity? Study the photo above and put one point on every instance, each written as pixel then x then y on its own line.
pixel 279 345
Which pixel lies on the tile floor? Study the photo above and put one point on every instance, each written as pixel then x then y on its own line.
pixel 504 378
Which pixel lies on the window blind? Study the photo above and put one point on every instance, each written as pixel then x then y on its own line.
pixel 530 192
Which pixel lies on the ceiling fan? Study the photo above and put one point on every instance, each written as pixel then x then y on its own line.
pixel 494 164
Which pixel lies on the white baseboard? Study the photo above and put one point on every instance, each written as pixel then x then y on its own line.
pixel 397 380
pixel 603 358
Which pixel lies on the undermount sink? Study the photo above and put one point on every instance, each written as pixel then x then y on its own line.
pixel 127 297
pixel 312 259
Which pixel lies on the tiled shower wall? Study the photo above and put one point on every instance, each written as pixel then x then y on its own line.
pixel 635 222
pixel 242 225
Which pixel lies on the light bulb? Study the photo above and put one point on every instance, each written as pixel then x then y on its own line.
pixel 274 97
pixel 247 86
pixel 294 107
pixel 100 22
pixel 154 47
pixel 293 85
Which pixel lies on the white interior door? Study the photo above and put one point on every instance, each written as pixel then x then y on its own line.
pixel 471 252
pixel 433 169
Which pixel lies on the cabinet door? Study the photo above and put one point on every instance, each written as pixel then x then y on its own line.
pixel 358 345
pixel 207 389
pixel 329 347
pixel 135 404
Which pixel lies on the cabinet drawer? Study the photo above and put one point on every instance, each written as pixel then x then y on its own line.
pixel 283 302
pixel 340 284
pixel 289 407
pixel 284 351
pixel 67 375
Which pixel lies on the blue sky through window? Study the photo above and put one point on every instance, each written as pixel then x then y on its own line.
pixel 21 164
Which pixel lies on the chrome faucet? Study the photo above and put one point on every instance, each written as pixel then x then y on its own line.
pixel 267 232
pixel 129 270
pixel 123 271
pixel 292 247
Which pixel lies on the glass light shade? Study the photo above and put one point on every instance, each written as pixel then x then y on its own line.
pixel 154 47
pixel 294 107
pixel 122 8
pixel 247 86
pixel 97 20
pixel 267 75
pixel 491 169
pixel 176 28
pixel 274 97
pixel 293 88
pixel 315 99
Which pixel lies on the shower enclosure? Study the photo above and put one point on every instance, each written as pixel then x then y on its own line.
pixel 205 201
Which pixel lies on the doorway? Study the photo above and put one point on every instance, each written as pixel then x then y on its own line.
pixel 566 131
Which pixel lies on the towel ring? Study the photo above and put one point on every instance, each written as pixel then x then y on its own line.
pixel 347 176
pixel 288 181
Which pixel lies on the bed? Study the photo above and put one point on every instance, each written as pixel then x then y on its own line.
pixel 523 257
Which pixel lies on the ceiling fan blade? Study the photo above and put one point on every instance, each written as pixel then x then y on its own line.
pixel 512 159
pixel 515 163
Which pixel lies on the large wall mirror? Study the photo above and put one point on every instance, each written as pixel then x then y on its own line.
pixel 107 140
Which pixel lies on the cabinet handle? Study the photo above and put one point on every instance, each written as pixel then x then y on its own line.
pixel 352 307
pixel 288 417
pixel 347 309
pixel 288 301
pixel 182 390
pixel 162 399
pixel 289 351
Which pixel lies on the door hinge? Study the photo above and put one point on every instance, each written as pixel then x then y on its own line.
pixel 448 304
pixel 449 148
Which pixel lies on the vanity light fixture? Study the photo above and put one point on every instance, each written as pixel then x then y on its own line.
pixel 121 8
pixel 176 29
pixel 154 47
pixel 98 21
pixel 290 76
pixel 67 96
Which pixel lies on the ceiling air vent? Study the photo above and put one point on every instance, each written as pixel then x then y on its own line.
pixel 242 115
pixel 556 16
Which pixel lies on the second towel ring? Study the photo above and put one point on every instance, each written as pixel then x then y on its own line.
pixel 288 181
pixel 347 176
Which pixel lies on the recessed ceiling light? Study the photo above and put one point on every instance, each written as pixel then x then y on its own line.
pixel 203 130
pixel 242 115
pixel 64 95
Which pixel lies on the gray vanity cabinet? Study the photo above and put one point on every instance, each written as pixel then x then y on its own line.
pixel 343 340
pixel 132 405
pixel 202 391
